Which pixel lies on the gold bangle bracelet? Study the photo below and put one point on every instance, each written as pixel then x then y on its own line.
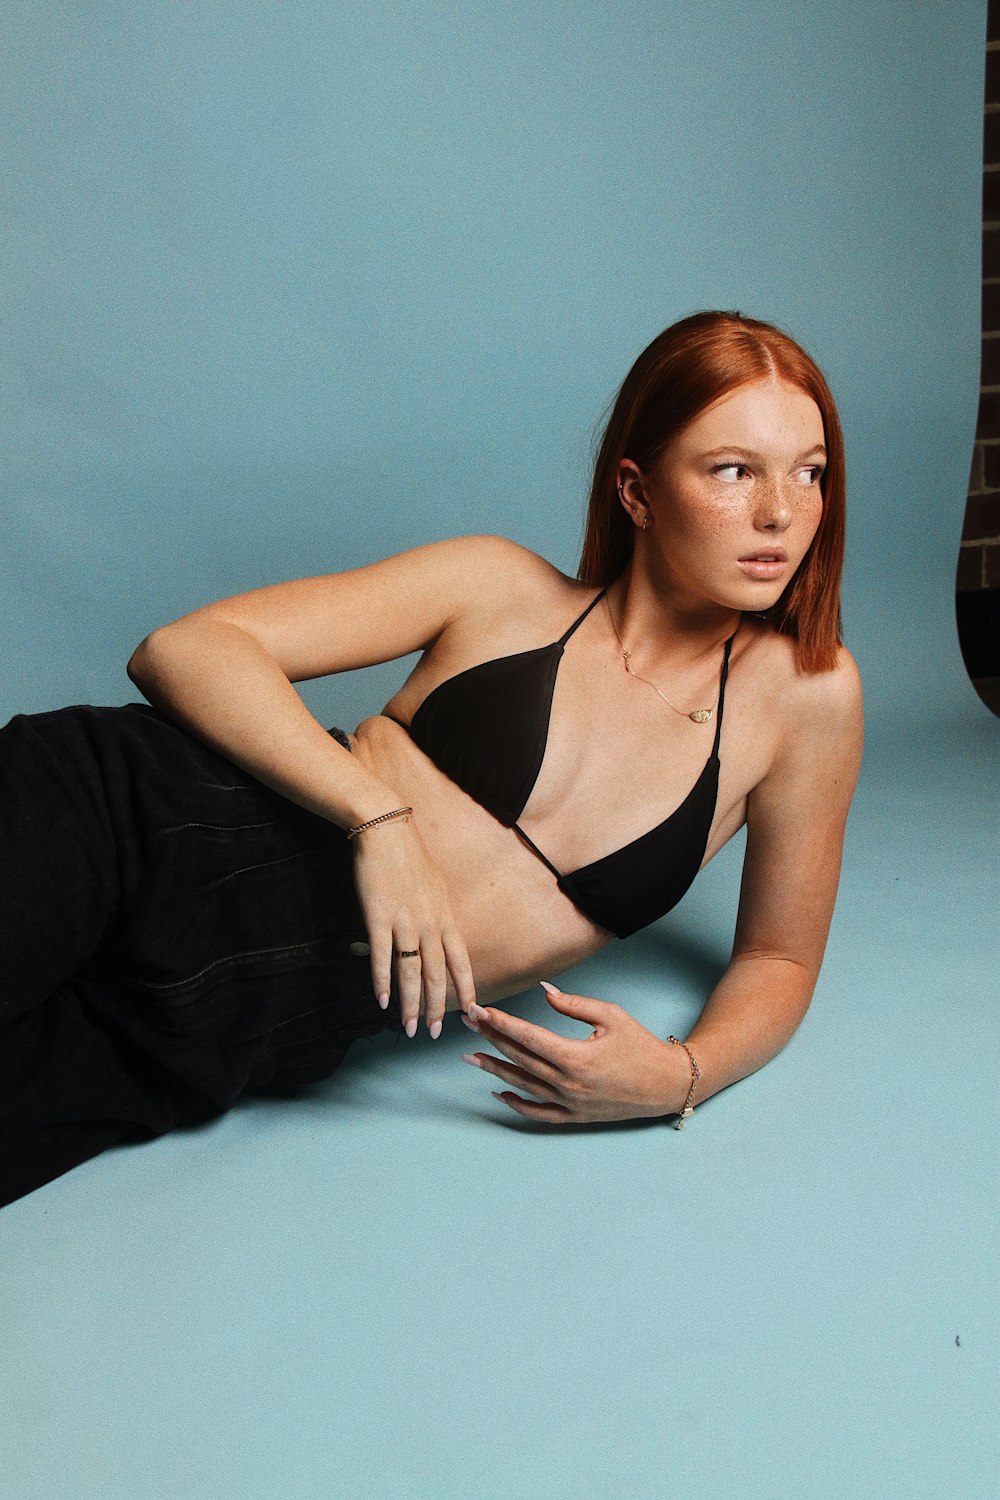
pixel 688 1108
pixel 398 813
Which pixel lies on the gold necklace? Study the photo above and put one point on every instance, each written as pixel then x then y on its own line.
pixel 699 715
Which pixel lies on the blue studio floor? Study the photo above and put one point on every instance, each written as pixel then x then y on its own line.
pixel 395 1288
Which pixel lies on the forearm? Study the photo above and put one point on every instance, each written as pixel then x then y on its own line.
pixel 749 1016
pixel 218 681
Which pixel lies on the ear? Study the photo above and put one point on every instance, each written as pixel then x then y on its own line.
pixel 630 492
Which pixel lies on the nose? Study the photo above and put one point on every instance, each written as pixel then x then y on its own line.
pixel 774 512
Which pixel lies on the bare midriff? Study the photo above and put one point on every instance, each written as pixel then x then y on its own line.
pixel 517 925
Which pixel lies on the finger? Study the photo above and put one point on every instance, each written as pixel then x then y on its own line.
pixel 380 948
pixel 459 967
pixel 523 1057
pixel 551 1114
pixel 580 1007
pixel 518 1076
pixel 556 1050
pixel 434 979
pixel 408 972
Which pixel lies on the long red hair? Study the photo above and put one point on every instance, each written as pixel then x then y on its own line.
pixel 683 371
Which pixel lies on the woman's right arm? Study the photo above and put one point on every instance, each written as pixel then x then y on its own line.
pixel 225 672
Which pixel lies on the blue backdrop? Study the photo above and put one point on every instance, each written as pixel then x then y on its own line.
pixel 288 286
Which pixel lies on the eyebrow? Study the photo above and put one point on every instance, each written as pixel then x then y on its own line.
pixel 749 452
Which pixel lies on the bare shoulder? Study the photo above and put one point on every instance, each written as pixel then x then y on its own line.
pixel 810 701
pixel 485 568
pixel 492 589
pixel 831 711
pixel 830 701
pixel 818 718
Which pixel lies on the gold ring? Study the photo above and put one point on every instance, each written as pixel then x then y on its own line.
pixel 407 952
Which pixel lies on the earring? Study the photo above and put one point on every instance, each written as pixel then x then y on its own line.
pixel 621 495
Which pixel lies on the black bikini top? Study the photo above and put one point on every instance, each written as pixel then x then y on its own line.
pixel 487 727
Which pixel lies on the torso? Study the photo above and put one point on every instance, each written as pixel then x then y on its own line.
pixel 617 761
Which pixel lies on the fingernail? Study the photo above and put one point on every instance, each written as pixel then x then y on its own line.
pixel 470 1057
pixel 435 1029
pixel 496 1095
pixel 410 1027
pixel 471 1024
pixel 549 988
pixel 477 1012
pixel 383 1000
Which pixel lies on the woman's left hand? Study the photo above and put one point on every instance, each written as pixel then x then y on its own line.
pixel 620 1072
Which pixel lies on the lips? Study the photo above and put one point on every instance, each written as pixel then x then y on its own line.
pixel 767 564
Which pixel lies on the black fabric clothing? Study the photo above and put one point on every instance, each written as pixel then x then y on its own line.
pixel 486 728
pixel 173 935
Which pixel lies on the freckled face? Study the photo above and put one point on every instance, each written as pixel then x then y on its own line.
pixel 735 501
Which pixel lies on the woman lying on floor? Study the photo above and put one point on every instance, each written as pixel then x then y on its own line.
pixel 215 895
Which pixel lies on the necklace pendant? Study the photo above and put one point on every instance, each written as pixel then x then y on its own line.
pixel 701 715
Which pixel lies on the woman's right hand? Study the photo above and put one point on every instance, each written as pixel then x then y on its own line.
pixel 407 910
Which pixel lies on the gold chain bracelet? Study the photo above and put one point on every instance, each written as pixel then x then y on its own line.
pixel 400 813
pixel 688 1107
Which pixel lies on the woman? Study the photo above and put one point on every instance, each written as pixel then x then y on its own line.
pixel 563 758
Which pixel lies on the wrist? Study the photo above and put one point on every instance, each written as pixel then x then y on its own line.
pixel 369 798
pixel 684 1076
pixel 675 1079
pixel 381 820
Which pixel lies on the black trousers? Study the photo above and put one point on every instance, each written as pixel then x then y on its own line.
pixel 173 935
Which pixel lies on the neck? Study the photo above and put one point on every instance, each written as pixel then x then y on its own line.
pixel 662 624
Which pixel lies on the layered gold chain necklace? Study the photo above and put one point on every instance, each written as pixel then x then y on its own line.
pixel 698 715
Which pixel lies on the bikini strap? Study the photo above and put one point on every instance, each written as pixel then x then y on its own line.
pixel 578 622
pixel 722 694
pixel 535 849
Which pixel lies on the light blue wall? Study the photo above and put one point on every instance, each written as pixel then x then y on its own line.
pixel 289 286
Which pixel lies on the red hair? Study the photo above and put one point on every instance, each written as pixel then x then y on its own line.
pixel 684 370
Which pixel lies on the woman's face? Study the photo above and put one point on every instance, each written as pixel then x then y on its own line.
pixel 735 501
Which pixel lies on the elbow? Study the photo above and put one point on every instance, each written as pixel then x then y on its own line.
pixel 134 665
pixel 178 648
pixel 141 665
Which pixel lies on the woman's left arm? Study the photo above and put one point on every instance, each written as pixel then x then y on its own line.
pixel 795 830
pixel 795 836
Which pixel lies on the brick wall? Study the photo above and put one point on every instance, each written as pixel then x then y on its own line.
pixel 978 579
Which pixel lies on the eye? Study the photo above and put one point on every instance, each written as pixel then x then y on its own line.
pixel 730 473
pixel 811 474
